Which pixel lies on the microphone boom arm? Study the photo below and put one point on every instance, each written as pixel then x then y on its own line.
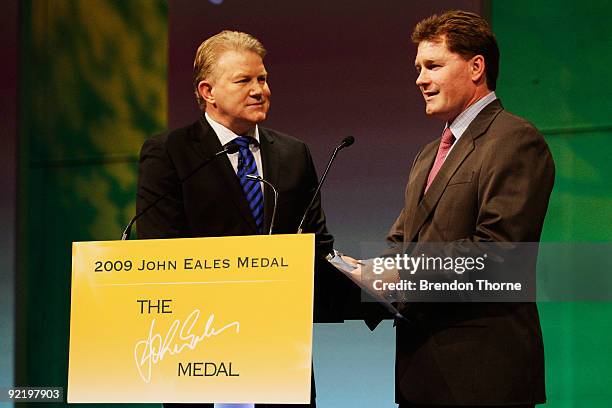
pixel 346 142
pixel 228 148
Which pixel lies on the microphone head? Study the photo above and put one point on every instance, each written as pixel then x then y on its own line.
pixel 231 148
pixel 253 177
pixel 347 141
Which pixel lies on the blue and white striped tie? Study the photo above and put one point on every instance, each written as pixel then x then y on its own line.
pixel 251 188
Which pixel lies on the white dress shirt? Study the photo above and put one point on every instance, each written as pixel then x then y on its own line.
pixel 225 136
pixel 461 122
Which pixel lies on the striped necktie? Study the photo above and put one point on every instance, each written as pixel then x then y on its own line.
pixel 251 188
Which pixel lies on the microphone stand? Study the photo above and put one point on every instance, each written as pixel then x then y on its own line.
pixel 262 180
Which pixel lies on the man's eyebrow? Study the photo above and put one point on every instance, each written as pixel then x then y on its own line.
pixel 418 64
pixel 240 75
pixel 428 61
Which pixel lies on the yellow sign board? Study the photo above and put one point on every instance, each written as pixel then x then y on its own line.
pixel 225 319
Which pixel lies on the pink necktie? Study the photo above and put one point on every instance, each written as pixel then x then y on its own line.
pixel 445 144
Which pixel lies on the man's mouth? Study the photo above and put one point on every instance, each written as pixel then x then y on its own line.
pixel 429 94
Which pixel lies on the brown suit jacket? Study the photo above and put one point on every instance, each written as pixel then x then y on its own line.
pixel 493 186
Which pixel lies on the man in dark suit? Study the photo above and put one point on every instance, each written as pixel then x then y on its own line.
pixel 487 179
pixel 230 83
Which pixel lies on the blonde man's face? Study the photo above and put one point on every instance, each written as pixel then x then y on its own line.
pixel 238 92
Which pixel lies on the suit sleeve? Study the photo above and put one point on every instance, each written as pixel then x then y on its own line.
pixel 395 236
pixel 157 176
pixel 514 188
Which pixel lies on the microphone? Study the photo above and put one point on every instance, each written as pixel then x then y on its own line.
pixel 346 142
pixel 262 180
pixel 227 149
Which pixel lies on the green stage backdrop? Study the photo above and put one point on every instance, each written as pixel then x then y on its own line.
pixel 555 72
pixel 93 88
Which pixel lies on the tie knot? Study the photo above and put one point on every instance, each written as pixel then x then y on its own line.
pixel 447 137
pixel 244 141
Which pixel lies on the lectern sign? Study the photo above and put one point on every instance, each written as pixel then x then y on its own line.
pixel 192 320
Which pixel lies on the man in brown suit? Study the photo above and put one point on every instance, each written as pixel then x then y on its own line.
pixel 488 179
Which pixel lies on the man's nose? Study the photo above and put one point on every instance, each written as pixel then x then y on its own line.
pixel 422 79
pixel 257 90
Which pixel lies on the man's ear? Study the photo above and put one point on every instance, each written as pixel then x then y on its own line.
pixel 477 66
pixel 205 89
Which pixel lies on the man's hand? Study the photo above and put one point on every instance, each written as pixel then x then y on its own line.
pixel 356 273
pixel 351 261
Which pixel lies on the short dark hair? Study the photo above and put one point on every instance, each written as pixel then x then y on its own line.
pixel 466 34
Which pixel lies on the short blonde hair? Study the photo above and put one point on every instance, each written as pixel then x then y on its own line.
pixel 210 50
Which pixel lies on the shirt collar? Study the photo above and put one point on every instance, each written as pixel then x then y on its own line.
pixel 225 135
pixel 461 122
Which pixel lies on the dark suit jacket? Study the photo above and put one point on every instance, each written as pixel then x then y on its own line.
pixel 493 186
pixel 212 203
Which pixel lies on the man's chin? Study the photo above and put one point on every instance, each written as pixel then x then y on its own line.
pixel 255 119
pixel 434 113
pixel 431 111
pixel 249 123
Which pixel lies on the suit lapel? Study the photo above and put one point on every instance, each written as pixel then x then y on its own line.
pixel 417 181
pixel 456 157
pixel 221 169
pixel 270 162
